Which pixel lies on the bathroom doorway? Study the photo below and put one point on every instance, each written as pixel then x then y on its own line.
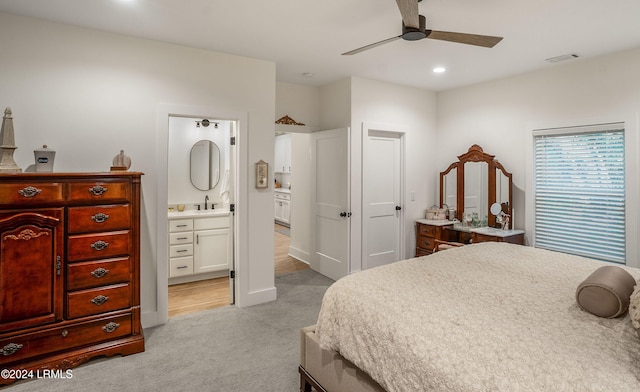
pixel 201 157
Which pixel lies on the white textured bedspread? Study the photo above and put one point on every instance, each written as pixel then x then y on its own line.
pixel 483 317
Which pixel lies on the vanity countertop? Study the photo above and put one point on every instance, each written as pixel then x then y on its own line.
pixel 496 232
pixel 434 222
pixel 197 214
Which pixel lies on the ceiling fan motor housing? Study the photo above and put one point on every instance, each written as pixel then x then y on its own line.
pixel 413 34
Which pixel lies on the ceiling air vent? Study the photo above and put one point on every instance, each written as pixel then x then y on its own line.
pixel 564 57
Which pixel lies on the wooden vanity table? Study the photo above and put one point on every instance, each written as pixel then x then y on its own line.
pixel 471 184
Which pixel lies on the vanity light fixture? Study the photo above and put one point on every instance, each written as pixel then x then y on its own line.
pixel 205 123
pixel 439 69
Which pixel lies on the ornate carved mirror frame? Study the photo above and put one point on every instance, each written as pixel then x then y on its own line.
pixel 476 154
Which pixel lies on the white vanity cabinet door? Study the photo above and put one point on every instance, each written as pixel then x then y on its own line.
pixel 211 250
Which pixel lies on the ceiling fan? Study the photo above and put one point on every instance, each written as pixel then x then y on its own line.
pixel 414 29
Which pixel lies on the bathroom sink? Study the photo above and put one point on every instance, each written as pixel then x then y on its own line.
pixel 198 214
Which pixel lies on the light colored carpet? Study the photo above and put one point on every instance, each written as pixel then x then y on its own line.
pixel 225 349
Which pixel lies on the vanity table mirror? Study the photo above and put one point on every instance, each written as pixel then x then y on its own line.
pixel 204 167
pixel 475 182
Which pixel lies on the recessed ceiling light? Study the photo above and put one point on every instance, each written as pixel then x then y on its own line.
pixel 307 75
pixel 439 69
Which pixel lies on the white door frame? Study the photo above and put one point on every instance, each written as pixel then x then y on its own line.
pixel 240 196
pixel 392 131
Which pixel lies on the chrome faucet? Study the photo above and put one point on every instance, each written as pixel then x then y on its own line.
pixel 206 199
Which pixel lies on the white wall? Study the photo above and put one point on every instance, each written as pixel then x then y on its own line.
pixel 500 115
pixel 403 109
pixel 183 133
pixel 300 102
pixel 88 94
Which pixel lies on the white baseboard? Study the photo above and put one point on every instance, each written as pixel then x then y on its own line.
pixel 258 297
pixel 299 254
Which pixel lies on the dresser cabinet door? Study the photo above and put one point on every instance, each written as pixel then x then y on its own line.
pixel 31 258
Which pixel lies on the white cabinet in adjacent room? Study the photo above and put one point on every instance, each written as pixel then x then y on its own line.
pixel 283 207
pixel 282 159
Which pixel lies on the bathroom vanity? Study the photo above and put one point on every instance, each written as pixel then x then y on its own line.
pixel 199 245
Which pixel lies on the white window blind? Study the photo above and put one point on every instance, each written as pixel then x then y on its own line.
pixel 579 180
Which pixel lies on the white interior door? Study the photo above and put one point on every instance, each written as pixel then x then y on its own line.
pixel 382 198
pixel 330 203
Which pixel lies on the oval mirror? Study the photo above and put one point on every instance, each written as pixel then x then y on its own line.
pixel 496 208
pixel 204 167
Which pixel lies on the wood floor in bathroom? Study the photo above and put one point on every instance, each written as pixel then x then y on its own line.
pixel 213 293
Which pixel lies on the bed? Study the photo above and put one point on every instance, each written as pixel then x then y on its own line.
pixel 483 317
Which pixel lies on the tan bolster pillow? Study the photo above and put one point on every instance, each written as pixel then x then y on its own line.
pixel 606 292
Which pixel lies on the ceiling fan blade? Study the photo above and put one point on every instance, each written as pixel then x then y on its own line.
pixel 370 46
pixel 409 12
pixel 487 41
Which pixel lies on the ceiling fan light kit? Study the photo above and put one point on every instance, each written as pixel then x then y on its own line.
pixel 414 28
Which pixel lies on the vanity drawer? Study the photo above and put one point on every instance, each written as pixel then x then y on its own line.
pixel 95 301
pixel 62 338
pixel 99 191
pixel 181 250
pixel 282 195
pixel 179 266
pixel 99 218
pixel 98 246
pixel 25 194
pixel 89 274
pixel 211 223
pixel 180 238
pixel 180 225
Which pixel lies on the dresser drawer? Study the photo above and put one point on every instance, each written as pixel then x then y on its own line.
pixel 25 194
pixel 177 225
pixel 179 266
pixel 98 218
pixel 63 338
pixel 89 274
pixel 98 246
pixel 181 250
pixel 99 191
pixel 425 242
pixel 181 238
pixel 99 300
pixel 427 230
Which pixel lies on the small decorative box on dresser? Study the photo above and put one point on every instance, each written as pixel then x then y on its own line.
pixel 69 268
pixel 427 231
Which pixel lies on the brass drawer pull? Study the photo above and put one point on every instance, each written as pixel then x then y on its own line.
pixel 29 191
pixel 99 217
pixel 99 272
pixel 64 333
pixel 99 245
pixel 11 349
pixel 98 190
pixel 110 327
pixel 99 300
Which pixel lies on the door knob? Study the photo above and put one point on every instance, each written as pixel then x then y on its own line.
pixel 343 214
pixel 398 208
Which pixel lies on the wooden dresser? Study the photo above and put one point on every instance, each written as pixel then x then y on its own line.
pixel 69 268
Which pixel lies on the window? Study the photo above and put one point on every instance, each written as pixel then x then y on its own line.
pixel 579 181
